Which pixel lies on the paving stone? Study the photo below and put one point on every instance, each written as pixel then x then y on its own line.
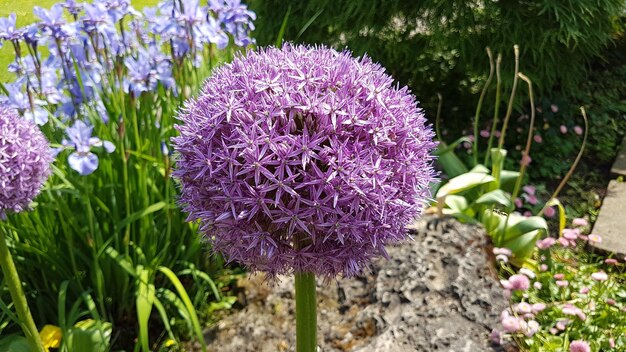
pixel 611 224
pixel 619 166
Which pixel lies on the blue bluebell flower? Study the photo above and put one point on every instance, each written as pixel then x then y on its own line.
pixel 82 159
pixel 8 30
pixel 53 23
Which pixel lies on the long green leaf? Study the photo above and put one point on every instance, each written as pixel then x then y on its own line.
pixel 145 301
pixel 190 308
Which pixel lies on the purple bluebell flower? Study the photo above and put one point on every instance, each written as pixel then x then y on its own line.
pixel 82 159
pixel 53 23
pixel 73 7
pixel 18 100
pixel 303 159
pixel 32 35
pixel 8 30
pixel 236 19
pixel 24 162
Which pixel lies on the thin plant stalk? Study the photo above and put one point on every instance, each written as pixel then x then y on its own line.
pixel 438 117
pixel 574 164
pixel 306 312
pixel 480 105
pixel 509 108
pixel 496 110
pixel 17 295
pixel 529 139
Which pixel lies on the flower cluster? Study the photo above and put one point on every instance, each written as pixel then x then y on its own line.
pixel 24 162
pixel 564 298
pixel 303 159
pixel 78 56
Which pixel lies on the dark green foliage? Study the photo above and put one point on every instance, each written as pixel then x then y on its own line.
pixel 434 45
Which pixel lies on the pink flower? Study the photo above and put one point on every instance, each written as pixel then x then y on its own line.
pixel 595 238
pixel 580 222
pixel 537 285
pixel 550 212
pixel 571 234
pixel 564 242
pixel 559 276
pixel 518 203
pixel 538 138
pixel 502 258
pixel 610 301
pixel 531 198
pixel 578 130
pixel 496 134
pixel 529 189
pixel 554 108
pixel 525 160
pixel 527 272
pixel 484 133
pixel 522 308
pixel 543 267
pixel 538 307
pixel 562 324
pixel 562 283
pixel 511 324
pixel 579 346
pixel 563 129
pixel 600 276
pixel 611 261
pixel 584 290
pixel 612 342
pixel 570 309
pixel 546 243
pixel 503 251
pixel 528 214
pixel 496 336
pixel 519 282
pixel 531 328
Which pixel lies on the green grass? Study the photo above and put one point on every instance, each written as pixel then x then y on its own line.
pixel 24 11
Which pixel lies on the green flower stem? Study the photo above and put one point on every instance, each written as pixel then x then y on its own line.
pixel 306 312
pixel 17 294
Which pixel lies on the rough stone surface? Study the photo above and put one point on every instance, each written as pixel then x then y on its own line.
pixel 437 293
pixel 619 166
pixel 610 222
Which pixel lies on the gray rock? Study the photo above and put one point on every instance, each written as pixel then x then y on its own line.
pixel 610 222
pixel 436 293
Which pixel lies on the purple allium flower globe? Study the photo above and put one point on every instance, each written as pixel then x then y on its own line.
pixel 303 159
pixel 25 159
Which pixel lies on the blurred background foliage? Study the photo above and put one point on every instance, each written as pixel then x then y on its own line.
pixel 574 52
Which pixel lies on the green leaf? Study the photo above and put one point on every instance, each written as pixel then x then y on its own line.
pixel 456 203
pixel 140 214
pixel 15 343
pixel 562 219
pixel 145 301
pixel 522 246
pixel 283 26
pixel 480 169
pixel 450 162
pixel 495 197
pixel 121 261
pixel 88 336
pixel 464 182
pixel 519 225
pixel 508 179
pixel 185 298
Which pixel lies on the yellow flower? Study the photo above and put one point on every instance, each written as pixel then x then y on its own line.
pixel 51 336
pixel 169 343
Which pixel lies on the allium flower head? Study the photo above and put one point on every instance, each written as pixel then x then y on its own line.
pixel 24 161
pixel 303 159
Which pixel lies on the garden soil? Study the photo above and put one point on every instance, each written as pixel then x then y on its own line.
pixel 438 292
